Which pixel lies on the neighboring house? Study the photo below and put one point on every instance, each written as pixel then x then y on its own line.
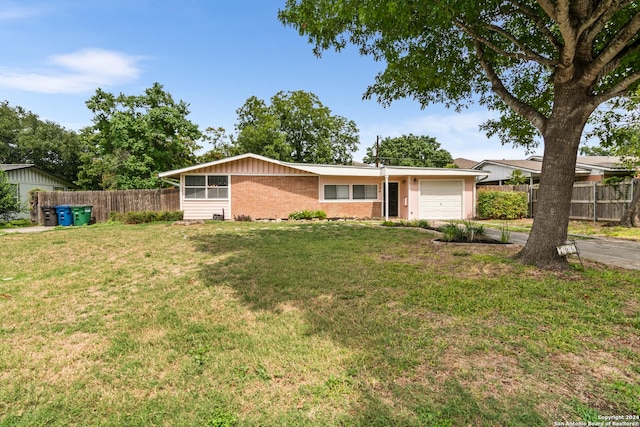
pixel 463 163
pixel 27 177
pixel 263 188
pixel 588 168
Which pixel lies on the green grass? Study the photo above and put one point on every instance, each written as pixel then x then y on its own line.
pixel 316 324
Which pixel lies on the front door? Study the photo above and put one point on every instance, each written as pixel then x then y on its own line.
pixel 393 199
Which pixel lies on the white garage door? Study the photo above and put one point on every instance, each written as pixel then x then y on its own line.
pixel 440 200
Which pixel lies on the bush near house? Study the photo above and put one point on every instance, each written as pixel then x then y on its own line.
pixel 502 205
pixel 306 214
pixel 144 217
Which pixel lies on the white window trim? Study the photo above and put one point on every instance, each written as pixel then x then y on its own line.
pixel 350 199
pixel 206 186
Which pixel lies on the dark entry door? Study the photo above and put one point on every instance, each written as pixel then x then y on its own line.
pixel 393 199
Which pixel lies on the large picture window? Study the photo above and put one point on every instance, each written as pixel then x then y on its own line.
pixel 365 192
pixel 336 192
pixel 206 187
pixel 351 192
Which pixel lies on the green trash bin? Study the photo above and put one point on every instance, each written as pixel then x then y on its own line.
pixel 81 214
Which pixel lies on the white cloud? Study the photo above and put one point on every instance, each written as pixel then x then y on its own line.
pixel 76 72
pixel 458 133
pixel 14 12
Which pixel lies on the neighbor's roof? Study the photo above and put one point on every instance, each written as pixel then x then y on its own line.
pixel 12 167
pixel 16 166
pixel 335 170
pixel 463 163
pixel 529 165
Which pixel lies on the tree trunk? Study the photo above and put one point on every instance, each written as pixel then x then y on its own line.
pixel 551 217
pixel 631 216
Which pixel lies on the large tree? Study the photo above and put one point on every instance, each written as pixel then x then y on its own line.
pixel 409 150
pixel 26 139
pixel 545 65
pixel 134 137
pixel 296 127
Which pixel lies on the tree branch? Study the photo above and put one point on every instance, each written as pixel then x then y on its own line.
pixel 549 9
pixel 527 53
pixel 616 45
pixel 599 24
pixel 540 24
pixel 618 89
pixel 525 110
pixel 603 8
pixel 568 51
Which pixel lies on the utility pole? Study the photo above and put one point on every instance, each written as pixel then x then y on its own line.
pixel 378 151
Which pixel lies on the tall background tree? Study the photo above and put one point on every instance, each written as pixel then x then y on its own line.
pixel 135 137
pixel 619 135
pixel 544 65
pixel 296 127
pixel 409 150
pixel 26 139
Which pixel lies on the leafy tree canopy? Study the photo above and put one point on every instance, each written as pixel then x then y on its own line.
pixel 133 138
pixel 296 127
pixel 26 139
pixel 409 150
pixel 544 65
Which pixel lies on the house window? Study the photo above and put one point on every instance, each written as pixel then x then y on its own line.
pixel 365 192
pixel 206 187
pixel 336 192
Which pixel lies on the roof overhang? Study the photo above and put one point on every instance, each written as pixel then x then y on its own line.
pixel 335 170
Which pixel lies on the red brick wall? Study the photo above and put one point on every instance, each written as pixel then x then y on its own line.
pixel 278 196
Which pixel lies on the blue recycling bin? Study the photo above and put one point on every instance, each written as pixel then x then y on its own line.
pixel 65 215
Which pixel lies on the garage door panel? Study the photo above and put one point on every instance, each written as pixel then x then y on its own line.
pixel 440 200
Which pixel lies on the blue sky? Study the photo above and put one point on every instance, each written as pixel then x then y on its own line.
pixel 213 55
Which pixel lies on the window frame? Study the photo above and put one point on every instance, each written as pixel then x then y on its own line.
pixel 351 193
pixel 208 187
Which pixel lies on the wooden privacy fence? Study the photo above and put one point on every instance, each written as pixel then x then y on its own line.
pixel 592 201
pixel 103 202
pixel 595 201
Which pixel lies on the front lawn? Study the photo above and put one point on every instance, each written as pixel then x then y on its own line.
pixel 316 323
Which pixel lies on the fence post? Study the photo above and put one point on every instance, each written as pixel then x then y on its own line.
pixel 595 202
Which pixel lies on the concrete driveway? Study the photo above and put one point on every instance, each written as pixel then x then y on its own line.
pixel 619 253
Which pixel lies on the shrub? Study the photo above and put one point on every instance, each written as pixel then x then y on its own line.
pixel 502 204
pixel 306 214
pixel 242 217
pixel 9 204
pixel 142 217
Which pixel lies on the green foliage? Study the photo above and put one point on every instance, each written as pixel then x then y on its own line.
pixel 133 138
pixel 306 214
pixel 143 217
pixel 517 178
pixel 409 150
pixel 505 233
pixel 417 223
pixel 295 127
pixel 26 139
pixel 502 204
pixel 9 203
pixel 465 232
